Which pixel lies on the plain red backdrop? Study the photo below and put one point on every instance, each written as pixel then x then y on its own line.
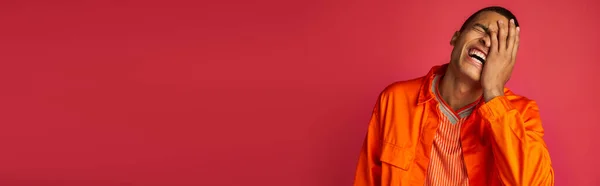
pixel 223 93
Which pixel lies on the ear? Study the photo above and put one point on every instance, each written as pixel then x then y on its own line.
pixel 454 38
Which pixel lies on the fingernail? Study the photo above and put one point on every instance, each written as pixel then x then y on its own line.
pixel 518 29
pixel 512 21
pixel 500 21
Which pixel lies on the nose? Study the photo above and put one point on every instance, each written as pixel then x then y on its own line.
pixel 486 41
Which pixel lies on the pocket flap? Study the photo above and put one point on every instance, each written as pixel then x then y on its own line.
pixel 397 156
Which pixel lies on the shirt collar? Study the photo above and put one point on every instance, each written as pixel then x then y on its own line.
pixel 425 92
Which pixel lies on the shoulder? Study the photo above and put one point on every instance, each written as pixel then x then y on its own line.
pixel 402 92
pixel 411 86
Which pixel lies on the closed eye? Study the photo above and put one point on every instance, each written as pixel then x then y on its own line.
pixel 480 28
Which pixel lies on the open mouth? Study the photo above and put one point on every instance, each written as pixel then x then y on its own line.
pixel 477 54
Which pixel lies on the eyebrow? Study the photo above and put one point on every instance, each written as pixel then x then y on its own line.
pixel 485 28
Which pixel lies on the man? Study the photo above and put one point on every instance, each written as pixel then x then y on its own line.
pixel 459 125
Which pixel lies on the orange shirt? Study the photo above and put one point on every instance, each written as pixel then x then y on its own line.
pixel 501 142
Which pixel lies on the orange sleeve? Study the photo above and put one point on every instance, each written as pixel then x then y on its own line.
pixel 520 153
pixel 368 171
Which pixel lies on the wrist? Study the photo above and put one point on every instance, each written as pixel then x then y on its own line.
pixel 491 94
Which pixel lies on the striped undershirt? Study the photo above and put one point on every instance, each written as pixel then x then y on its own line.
pixel 446 166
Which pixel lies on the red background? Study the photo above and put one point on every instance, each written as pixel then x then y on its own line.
pixel 255 92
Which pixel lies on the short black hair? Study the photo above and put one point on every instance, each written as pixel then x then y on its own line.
pixel 498 9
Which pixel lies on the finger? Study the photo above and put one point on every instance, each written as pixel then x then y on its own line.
pixel 493 29
pixel 511 35
pixel 516 45
pixel 502 32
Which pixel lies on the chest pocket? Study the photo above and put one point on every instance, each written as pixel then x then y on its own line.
pixel 397 156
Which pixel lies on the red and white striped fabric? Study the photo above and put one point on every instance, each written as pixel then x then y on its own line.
pixel 446 166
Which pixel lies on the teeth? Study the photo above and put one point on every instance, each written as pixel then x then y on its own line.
pixel 477 53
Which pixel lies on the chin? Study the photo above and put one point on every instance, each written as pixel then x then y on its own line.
pixel 475 77
pixel 472 71
pixel 470 75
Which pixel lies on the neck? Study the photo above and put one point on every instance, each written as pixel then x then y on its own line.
pixel 457 91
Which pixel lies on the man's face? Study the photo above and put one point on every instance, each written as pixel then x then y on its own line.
pixel 470 50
